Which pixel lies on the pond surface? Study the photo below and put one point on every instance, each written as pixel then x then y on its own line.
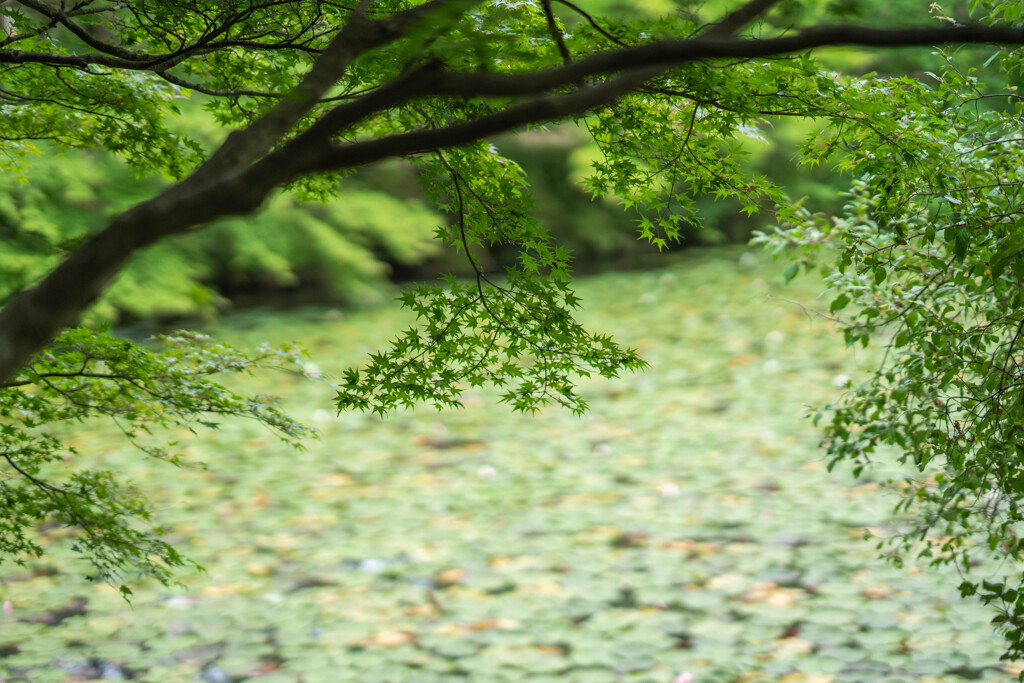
pixel 688 523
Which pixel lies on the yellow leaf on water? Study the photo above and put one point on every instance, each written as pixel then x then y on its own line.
pixel 450 629
pixel 724 581
pixel 1012 668
pixel 420 610
pixel 772 594
pixel 258 568
pixel 695 547
pixel 225 589
pixel 260 497
pixel 449 577
pixel 499 624
pixel 334 481
pixel 580 499
pixel 515 561
pixel 876 592
pixel 861 490
pixel 449 522
pixel 785 597
pixel 389 639
pixel 790 647
pixel 498 561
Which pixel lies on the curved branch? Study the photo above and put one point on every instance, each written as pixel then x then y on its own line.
pixel 555 31
pixel 182 83
pixel 308 154
pixel 215 189
pixel 593 22
pixel 740 17
pixel 58 16
pixel 669 53
pixel 360 35
pixel 238 177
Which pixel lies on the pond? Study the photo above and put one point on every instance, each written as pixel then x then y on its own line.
pixel 686 525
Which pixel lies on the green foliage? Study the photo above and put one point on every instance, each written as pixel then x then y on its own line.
pixel 85 107
pixel 928 261
pixel 928 245
pixel 481 332
pixel 86 374
pixel 598 233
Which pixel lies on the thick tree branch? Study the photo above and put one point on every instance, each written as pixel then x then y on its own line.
pixel 141 61
pixel 432 80
pixel 310 154
pixel 33 317
pixel 666 54
pixel 410 85
pixel 360 35
pixel 214 190
pixel 58 16
pixel 238 177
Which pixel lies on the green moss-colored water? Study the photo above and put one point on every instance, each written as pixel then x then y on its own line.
pixel 688 523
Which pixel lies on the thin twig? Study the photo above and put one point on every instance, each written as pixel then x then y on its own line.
pixel 556 32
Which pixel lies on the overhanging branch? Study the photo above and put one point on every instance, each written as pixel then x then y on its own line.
pixel 310 151
pixel 535 111
pixel 740 17
pixel 360 35
pixel 239 175
pixel 665 54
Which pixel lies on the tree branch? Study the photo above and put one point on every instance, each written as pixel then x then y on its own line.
pixel 739 18
pixel 670 53
pixel 432 80
pixel 359 36
pixel 238 177
pixel 57 16
pixel 556 32
pixel 33 317
pixel 593 22
pixel 308 154
pixel 181 82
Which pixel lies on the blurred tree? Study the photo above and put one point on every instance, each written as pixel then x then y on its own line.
pixel 315 89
